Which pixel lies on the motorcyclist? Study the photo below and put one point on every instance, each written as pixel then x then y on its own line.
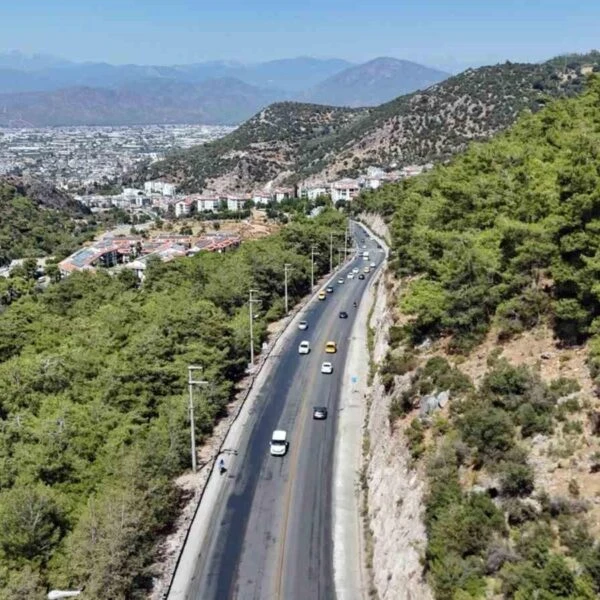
pixel 354 304
pixel 222 466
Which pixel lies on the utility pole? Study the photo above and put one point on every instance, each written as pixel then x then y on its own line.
pixel 331 251
pixel 345 244
pixel 312 267
pixel 251 301
pixel 286 266
pixel 191 383
pixel 339 257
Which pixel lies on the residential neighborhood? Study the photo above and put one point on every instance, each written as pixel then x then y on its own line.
pixel 162 198
pixel 134 251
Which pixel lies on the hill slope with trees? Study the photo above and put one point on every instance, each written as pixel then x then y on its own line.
pixel 430 125
pixel 93 418
pixel 37 220
pixel 504 239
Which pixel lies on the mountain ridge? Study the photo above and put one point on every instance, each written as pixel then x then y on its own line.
pixel 416 128
pixel 374 82
pixel 117 93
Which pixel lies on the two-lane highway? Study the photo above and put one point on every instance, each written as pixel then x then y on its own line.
pixel 270 535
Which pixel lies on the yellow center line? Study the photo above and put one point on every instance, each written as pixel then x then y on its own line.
pixel 292 478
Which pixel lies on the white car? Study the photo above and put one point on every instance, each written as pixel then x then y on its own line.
pixel 373 265
pixel 304 347
pixel 279 443
pixel 350 275
pixel 340 280
pixel 355 270
pixel 303 325
pixel 327 368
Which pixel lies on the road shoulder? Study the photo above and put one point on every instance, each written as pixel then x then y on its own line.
pixel 349 565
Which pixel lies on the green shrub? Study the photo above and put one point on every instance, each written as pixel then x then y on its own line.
pixel 489 430
pixel 563 386
pixel 571 427
pixel 521 313
pixel 534 541
pixel 396 364
pixel 437 374
pixel 415 438
pixel 451 574
pixel 519 512
pixel 516 479
pixel 531 421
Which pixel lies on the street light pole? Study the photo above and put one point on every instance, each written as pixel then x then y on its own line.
pixel 330 251
pixel 251 301
pixel 191 383
pixel 312 268
pixel 286 266
pixel 345 243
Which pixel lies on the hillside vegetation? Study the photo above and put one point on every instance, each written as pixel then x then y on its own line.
pixel 39 222
pixel 506 236
pixel 309 140
pixel 258 151
pixel 93 417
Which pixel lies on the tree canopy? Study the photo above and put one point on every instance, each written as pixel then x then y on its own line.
pixel 93 417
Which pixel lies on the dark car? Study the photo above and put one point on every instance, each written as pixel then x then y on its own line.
pixel 320 413
pixel 361 276
pixel 329 290
pixel 343 314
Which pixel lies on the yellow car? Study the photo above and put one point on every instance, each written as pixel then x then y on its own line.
pixel 331 347
pixel 322 296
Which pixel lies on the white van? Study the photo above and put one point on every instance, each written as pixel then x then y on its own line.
pixel 279 443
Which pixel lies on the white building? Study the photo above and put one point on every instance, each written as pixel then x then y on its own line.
pixel 236 204
pixel 344 189
pixel 184 207
pixel 280 194
pixel 208 204
pixel 314 190
pixel 261 198
pixel 160 187
pixel 131 193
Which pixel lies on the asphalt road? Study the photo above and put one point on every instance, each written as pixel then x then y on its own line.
pixel 271 533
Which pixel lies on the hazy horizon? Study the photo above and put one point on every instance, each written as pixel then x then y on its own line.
pixel 432 32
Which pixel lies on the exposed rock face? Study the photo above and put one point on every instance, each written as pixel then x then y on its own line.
pixel 395 489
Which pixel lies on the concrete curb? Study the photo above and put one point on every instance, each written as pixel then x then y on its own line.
pixel 197 530
pixel 349 564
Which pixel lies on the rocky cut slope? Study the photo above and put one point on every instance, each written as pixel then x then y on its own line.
pixel 310 140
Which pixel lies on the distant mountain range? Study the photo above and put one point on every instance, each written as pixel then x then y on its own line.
pixel 374 82
pixel 43 90
pixel 291 141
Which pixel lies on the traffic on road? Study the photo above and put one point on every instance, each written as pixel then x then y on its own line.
pixel 271 531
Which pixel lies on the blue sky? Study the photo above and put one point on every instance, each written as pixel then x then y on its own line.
pixel 442 32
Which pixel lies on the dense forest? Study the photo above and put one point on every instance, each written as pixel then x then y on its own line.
pixel 504 238
pixel 28 229
pixel 509 232
pixel 93 419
